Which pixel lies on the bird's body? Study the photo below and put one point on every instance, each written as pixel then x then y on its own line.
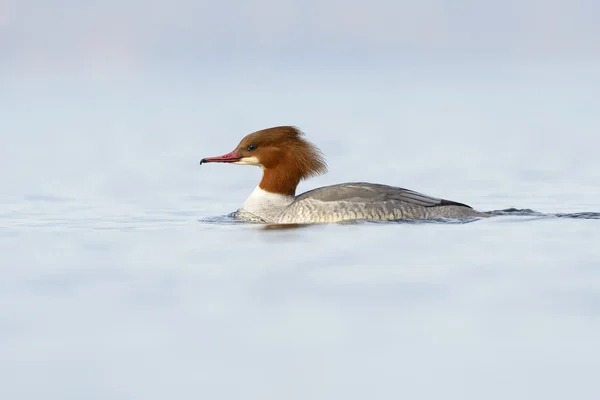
pixel 286 158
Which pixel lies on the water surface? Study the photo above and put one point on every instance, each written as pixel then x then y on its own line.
pixel 123 277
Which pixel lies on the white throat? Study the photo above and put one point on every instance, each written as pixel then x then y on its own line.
pixel 266 205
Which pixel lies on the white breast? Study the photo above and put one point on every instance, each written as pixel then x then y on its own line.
pixel 266 205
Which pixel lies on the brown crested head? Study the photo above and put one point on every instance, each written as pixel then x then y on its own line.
pixel 283 153
pixel 284 145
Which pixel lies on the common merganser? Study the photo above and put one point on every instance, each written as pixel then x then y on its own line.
pixel 286 158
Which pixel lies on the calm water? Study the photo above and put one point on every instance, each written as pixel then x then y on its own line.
pixel 122 279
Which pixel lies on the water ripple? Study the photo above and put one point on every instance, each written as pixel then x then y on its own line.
pixel 526 212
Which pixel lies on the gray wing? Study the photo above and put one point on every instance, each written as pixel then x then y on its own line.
pixel 373 192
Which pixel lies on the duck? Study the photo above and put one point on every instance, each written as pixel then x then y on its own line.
pixel 286 158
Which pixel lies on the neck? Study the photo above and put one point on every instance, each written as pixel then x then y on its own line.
pixel 279 180
pixel 267 205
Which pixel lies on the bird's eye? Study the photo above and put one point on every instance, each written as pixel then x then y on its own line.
pixel 252 147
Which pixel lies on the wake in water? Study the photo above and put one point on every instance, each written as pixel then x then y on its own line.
pixel 526 212
pixel 228 219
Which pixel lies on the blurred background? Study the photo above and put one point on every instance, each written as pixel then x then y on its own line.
pixel 120 99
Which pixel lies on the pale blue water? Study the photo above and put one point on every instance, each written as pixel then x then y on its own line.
pixel 123 278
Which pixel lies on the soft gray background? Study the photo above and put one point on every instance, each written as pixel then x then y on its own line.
pixel 112 289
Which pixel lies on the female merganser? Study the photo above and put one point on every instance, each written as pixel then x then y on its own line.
pixel 286 158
